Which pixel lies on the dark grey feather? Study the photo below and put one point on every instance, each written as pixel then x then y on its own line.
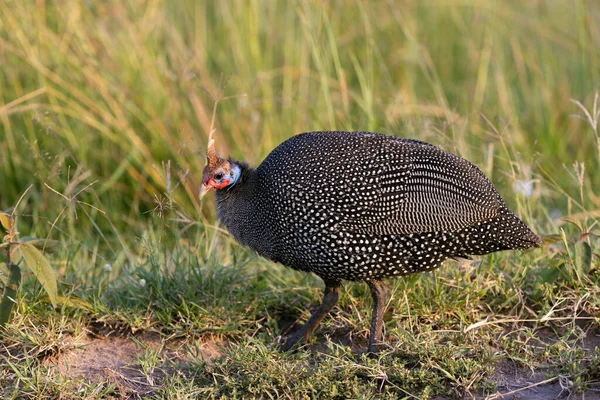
pixel 359 205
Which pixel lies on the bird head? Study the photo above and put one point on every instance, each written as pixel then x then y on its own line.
pixel 218 172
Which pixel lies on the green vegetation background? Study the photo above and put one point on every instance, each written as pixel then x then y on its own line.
pixel 109 104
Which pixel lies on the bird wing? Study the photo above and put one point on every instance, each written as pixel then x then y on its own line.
pixel 421 188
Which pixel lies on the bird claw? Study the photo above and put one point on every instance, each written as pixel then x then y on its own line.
pixel 288 342
pixel 373 352
pixel 285 346
pixel 375 349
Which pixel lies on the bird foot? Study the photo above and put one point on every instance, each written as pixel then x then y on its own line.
pixel 288 342
pixel 374 350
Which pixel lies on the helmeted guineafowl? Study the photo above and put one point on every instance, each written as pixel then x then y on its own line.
pixel 361 206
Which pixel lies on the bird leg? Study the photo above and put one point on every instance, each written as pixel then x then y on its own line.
pixel 330 298
pixel 379 293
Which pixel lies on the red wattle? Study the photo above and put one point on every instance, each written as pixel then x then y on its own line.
pixel 221 185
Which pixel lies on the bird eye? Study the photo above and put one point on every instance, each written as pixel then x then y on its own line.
pixel 218 176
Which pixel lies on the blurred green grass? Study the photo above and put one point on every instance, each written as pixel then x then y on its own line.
pixel 110 104
pixel 114 89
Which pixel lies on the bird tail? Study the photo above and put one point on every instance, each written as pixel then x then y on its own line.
pixel 517 234
pixel 506 232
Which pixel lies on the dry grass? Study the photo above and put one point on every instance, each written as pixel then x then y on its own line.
pixel 105 108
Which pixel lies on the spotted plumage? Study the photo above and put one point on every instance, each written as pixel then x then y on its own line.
pixel 361 206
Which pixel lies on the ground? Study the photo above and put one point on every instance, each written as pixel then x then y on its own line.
pixel 106 109
pixel 112 357
pixel 112 361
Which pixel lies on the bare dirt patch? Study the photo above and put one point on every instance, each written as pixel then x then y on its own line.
pixel 135 364
pixel 517 382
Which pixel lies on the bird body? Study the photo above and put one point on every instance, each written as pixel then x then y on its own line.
pixel 362 206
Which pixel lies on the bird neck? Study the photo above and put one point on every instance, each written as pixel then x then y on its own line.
pixel 239 210
pixel 234 201
pixel 238 188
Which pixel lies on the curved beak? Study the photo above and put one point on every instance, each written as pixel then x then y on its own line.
pixel 206 186
pixel 203 190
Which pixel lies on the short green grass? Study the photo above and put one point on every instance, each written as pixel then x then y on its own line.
pixel 110 104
